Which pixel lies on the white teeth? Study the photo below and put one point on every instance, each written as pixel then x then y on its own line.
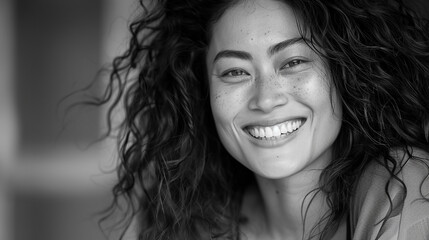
pixel 283 128
pixel 256 132
pixel 289 127
pixel 275 131
pixel 268 132
pixel 261 132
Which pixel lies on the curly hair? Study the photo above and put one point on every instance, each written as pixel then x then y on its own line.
pixel 175 175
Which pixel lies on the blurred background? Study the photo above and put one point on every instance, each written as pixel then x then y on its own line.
pixel 49 189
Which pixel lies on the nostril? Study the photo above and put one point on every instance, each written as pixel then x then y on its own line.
pixel 268 101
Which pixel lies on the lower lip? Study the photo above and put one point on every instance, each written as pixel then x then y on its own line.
pixel 274 142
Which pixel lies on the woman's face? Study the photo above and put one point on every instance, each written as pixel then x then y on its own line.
pixel 269 91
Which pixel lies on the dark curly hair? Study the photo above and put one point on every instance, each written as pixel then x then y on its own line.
pixel 174 174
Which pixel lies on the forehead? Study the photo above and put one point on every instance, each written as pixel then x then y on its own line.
pixel 254 22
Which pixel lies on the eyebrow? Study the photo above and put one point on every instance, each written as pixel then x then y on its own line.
pixel 233 54
pixel 246 56
pixel 284 44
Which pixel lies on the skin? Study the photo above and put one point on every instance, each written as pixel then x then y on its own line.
pixel 253 85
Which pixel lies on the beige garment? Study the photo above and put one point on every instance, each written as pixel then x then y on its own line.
pixel 408 220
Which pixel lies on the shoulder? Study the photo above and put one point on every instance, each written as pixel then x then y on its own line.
pixel 398 199
pixel 415 213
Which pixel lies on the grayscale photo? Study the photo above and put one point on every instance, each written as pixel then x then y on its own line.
pixel 214 120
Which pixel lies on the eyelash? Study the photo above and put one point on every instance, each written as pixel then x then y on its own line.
pixel 229 73
pixel 241 72
pixel 295 61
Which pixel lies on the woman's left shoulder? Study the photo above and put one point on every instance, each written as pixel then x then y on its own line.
pixel 413 170
pixel 415 211
pixel 405 208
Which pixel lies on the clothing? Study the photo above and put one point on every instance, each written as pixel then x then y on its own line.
pixel 408 220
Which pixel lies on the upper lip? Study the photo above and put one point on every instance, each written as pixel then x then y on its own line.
pixel 272 122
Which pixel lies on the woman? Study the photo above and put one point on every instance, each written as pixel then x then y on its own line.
pixel 266 119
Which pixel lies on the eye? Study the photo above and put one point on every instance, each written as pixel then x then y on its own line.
pixel 293 63
pixel 235 73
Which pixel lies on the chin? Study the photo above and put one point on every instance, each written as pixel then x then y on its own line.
pixel 276 167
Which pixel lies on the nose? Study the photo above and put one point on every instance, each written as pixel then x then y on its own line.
pixel 268 94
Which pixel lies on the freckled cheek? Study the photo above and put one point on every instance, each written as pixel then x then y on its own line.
pixel 299 87
pixel 311 90
pixel 220 103
pixel 301 92
pixel 227 104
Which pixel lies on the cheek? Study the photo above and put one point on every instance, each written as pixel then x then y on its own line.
pixel 327 113
pixel 312 88
pixel 223 108
pixel 226 102
pixel 218 101
pixel 306 88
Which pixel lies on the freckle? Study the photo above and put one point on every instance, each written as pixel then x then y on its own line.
pixel 277 191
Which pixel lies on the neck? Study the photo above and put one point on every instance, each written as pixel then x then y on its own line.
pixel 292 205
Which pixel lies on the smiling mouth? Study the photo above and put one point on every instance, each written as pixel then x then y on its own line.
pixel 276 131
